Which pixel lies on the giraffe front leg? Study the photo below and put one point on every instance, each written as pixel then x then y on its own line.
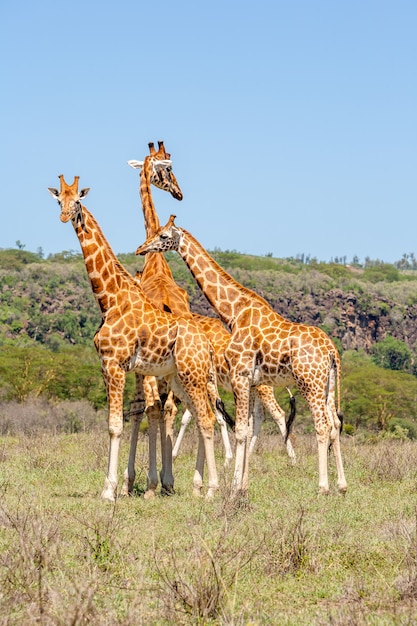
pixel 130 472
pixel 153 414
pixel 258 419
pixel 115 386
pixel 241 434
pixel 249 435
pixel 137 409
pixel 167 437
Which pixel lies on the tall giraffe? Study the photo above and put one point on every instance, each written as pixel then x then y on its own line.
pixel 158 284
pixel 264 348
pixel 136 336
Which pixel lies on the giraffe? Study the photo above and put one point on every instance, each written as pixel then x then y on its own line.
pixel 158 284
pixel 264 394
pixel 264 348
pixel 136 336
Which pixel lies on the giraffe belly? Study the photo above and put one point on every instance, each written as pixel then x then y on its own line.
pixel 152 367
pixel 274 376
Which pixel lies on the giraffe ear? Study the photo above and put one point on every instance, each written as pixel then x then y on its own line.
pixel 84 192
pixel 135 164
pixel 54 192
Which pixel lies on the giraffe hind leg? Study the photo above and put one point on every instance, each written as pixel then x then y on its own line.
pixel 335 444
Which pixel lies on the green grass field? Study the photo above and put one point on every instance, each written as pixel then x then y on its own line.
pixel 285 556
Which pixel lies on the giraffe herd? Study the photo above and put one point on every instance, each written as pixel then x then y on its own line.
pixel 148 328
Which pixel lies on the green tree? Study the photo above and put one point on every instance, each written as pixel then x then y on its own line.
pixel 373 396
pixel 392 354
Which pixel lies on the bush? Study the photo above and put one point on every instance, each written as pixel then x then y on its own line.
pixel 38 416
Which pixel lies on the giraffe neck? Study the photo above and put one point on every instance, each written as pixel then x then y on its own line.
pixel 225 294
pixel 151 218
pixel 107 275
pixel 155 265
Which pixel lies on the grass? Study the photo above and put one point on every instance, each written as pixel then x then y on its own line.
pixel 284 556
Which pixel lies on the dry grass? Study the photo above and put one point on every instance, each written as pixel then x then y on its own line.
pixel 282 556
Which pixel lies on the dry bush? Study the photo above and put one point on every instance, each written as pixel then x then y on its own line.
pixel 201 587
pixel 389 460
pixel 38 415
pixel 405 534
pixel 291 549
pixel 27 564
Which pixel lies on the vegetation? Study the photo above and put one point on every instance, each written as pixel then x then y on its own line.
pixel 48 318
pixel 284 557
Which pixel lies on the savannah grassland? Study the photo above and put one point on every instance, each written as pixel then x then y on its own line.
pixel 284 556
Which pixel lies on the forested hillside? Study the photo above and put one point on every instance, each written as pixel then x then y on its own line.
pixel 48 318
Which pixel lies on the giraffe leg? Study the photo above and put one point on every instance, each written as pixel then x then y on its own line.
pixel 213 483
pixel 335 433
pixel 249 435
pixel 267 398
pixel 167 436
pixel 322 427
pixel 137 409
pixel 186 419
pixel 136 413
pixel 258 418
pixel 115 387
pixel 214 397
pixel 323 449
pixel 242 401
pixel 341 480
pixel 199 467
pixel 225 438
pixel 153 414
pixel 205 452
pixel 335 441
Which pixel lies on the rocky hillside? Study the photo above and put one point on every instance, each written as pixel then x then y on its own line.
pixel 50 301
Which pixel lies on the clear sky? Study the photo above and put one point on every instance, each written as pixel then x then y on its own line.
pixel 292 124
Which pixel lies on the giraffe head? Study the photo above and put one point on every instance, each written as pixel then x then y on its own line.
pixel 158 165
pixel 69 198
pixel 167 238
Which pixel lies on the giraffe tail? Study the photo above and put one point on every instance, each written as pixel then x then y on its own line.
pixel 340 416
pixel 290 419
pixel 227 418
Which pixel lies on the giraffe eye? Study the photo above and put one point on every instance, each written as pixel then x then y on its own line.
pixel 169 169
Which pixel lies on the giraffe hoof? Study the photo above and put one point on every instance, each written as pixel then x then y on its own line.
pixel 149 494
pixel 323 491
pixel 109 491
pixel 108 496
pixel 342 489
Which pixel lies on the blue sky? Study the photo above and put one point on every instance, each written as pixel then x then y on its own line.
pixel 292 125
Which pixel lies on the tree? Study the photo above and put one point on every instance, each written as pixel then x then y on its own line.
pixel 373 396
pixel 392 354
